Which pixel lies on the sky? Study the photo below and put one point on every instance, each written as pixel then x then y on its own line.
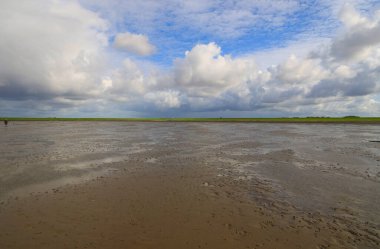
pixel 199 58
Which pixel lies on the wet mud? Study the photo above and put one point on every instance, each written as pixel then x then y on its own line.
pixel 189 185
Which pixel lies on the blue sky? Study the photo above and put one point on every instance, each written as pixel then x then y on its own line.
pixel 189 58
pixel 172 36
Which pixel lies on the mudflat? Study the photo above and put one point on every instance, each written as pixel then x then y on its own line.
pixel 198 185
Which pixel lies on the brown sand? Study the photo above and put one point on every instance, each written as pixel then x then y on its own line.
pixel 170 206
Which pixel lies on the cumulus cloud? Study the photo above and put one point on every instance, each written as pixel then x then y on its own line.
pixel 352 59
pixel 297 71
pixel 362 34
pixel 50 49
pixel 205 72
pixel 134 43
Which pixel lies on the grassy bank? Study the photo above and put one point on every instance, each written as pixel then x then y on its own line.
pixel 374 120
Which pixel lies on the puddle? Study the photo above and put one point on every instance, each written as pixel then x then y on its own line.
pixel 54 184
pixel 90 163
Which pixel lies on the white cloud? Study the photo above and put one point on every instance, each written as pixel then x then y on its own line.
pixel 164 99
pixel 298 71
pixel 134 43
pixel 205 72
pixel 50 48
pixel 344 72
pixel 360 36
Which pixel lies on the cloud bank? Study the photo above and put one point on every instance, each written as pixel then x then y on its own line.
pixel 57 58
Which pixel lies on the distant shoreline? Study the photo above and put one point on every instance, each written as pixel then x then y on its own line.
pixel 311 120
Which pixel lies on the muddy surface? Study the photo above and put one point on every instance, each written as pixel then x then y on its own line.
pixel 189 185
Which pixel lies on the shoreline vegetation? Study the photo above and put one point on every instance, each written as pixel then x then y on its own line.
pixel 347 119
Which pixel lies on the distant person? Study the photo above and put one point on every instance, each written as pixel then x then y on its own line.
pixel 6 122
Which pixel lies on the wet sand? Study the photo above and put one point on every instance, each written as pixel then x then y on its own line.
pixel 191 186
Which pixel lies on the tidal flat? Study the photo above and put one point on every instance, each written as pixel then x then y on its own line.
pixel 189 185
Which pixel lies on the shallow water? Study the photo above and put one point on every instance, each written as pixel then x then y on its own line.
pixel 315 167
